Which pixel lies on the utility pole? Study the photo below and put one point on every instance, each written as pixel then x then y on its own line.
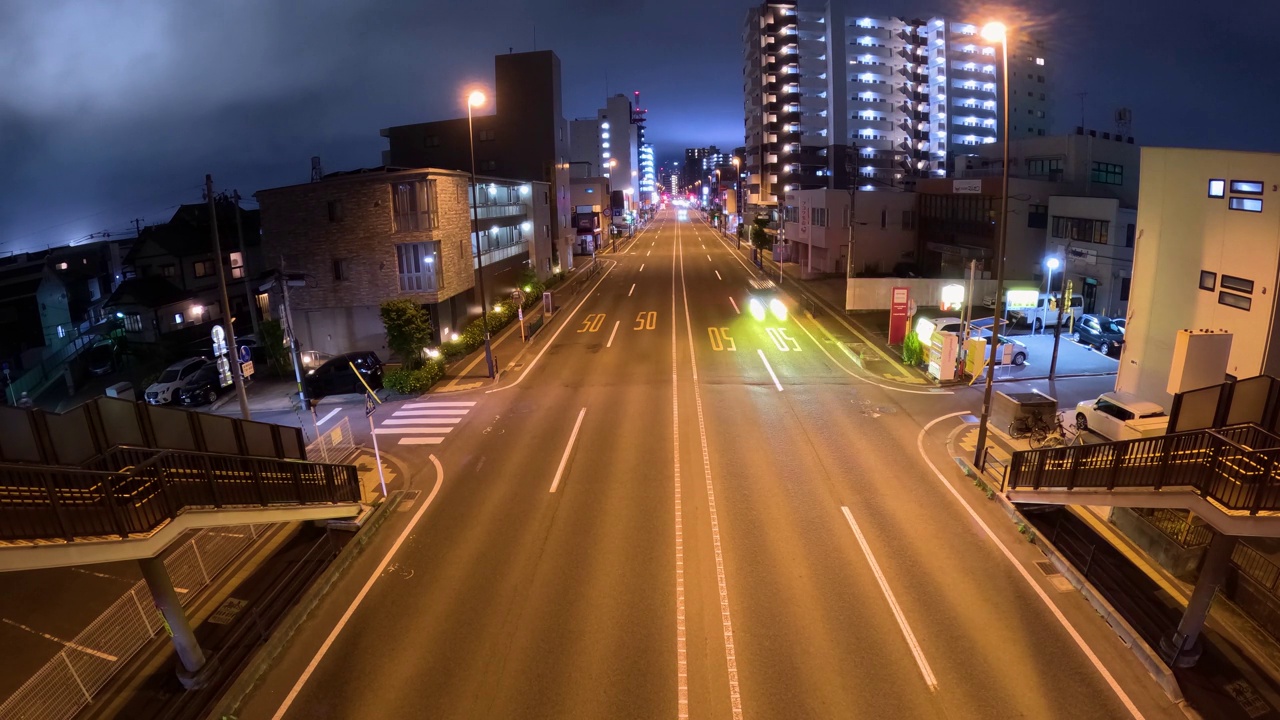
pixel 288 329
pixel 137 225
pixel 244 269
pixel 226 302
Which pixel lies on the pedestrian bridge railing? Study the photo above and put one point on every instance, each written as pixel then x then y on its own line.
pixel 1237 468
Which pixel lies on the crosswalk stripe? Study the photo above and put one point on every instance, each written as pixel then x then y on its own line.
pixel 459 412
pixel 421 421
pixel 412 430
pixel 421 440
pixel 414 406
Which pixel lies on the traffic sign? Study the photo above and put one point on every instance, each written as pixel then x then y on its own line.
pixel 245 354
pixel 369 405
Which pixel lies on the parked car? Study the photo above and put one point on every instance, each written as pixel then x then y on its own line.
pixel 102 357
pixel 203 388
pixel 1045 314
pixel 1121 416
pixel 334 377
pixel 1099 332
pixel 1014 350
pixel 164 390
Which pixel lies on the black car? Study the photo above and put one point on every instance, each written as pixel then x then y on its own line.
pixel 203 388
pixel 335 377
pixel 1099 332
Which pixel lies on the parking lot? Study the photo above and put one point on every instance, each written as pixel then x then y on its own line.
pixel 1073 359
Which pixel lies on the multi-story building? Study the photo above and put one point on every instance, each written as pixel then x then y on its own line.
pixel 816 226
pixel 526 138
pixel 1207 257
pixel 366 236
pixel 694 168
pixel 889 99
pixel 609 143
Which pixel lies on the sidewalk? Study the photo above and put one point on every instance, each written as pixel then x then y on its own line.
pixel 828 295
pixel 1238 675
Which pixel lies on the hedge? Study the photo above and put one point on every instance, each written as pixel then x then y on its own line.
pixel 414 382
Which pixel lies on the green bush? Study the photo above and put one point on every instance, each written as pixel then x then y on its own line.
pixel 912 349
pixel 408 329
pixel 414 382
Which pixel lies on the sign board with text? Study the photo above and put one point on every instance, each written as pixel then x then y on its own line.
pixel 966 187
pixel 899 315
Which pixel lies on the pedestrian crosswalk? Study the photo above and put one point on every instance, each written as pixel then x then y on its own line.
pixel 424 423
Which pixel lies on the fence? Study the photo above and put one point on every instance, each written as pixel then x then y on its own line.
pixel 1176 526
pixel 42 502
pixel 333 446
pixel 69 680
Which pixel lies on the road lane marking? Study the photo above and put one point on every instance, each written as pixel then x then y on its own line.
pixel 769 367
pixel 64 643
pixel 633 289
pixel 325 419
pixel 708 256
pixel 648 253
pixel 735 305
pixel 682 656
pixel 730 654
pixel 616 323
pixel 718 275
pixel 564 459
pixel 413 430
pixel 1044 597
pixel 916 650
pixel 422 421
pixel 421 440
pixel 641 267
pixel 418 413
pixel 417 406
pixel 359 598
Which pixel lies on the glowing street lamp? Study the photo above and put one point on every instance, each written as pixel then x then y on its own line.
pixel 476 99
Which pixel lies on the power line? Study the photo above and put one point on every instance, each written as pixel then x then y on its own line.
pixel 55 226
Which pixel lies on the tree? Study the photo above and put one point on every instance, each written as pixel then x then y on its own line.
pixel 278 360
pixel 759 238
pixel 408 330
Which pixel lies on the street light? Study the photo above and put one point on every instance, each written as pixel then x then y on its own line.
pixel 1051 264
pixel 997 32
pixel 474 100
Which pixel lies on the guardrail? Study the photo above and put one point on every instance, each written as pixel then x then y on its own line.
pixel 71 678
pixel 1237 467
pixel 42 502
pixel 334 445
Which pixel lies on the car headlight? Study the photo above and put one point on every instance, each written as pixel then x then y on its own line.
pixel 757 308
pixel 778 309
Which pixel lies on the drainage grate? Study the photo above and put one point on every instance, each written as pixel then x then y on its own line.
pixel 1047 568
pixel 227 611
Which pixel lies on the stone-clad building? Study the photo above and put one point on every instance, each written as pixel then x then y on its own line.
pixel 366 236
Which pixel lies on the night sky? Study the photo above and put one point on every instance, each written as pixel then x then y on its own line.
pixel 112 110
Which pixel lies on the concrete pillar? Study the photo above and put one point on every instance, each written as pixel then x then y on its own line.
pixel 1182 648
pixel 166 600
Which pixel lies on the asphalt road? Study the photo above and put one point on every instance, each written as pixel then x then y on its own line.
pixel 741 525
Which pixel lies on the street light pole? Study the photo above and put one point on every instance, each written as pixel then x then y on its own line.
pixel 476 99
pixel 236 378
pixel 997 32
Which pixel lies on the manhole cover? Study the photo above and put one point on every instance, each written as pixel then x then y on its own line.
pixel 227 611
pixel 1061 584
pixel 1047 568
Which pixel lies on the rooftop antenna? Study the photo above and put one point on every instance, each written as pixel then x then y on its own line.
pixel 1082 95
pixel 535 36
pixel 1124 121
pixel 316 172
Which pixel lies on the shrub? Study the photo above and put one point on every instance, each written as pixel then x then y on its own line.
pixel 912 349
pixel 414 382
pixel 408 329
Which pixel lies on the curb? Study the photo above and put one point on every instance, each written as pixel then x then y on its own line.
pixel 263 659
pixel 1148 657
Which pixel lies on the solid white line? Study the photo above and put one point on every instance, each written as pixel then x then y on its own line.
pixel 351 609
pixel 564 459
pixel 325 419
pixel 1044 597
pixel 447 412
pixel 633 289
pixel 422 421
pixel 559 330
pixel 413 430
pixel 730 654
pixel 641 267
pixel 916 650
pixel 735 306
pixel 769 367
pixel 417 406
pixel 64 643
pixel 421 440
pixel 615 332
pixel 718 275
pixel 682 653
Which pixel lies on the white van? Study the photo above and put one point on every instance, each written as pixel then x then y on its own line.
pixel 1045 313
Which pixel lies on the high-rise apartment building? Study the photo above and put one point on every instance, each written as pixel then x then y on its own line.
pixel 891 99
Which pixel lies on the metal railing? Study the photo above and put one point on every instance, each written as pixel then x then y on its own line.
pixel 1176 526
pixel 40 502
pixel 334 445
pixel 1257 567
pixel 71 678
pixel 1237 467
